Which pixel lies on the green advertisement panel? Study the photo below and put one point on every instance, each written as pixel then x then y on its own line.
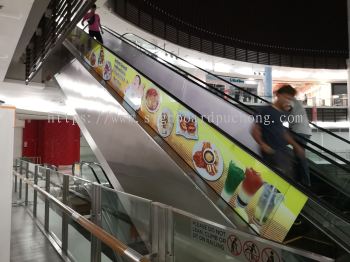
pixel 263 199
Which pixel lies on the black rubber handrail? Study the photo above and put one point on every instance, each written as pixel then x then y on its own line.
pixel 247 150
pixel 92 170
pixel 89 164
pixel 103 171
pixel 329 132
pixel 222 95
pixel 232 84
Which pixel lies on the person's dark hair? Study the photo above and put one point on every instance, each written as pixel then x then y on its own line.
pixel 287 89
pixel 93 6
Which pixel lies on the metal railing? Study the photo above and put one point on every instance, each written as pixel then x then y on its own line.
pixel 59 19
pixel 68 213
pixel 32 159
pixel 166 232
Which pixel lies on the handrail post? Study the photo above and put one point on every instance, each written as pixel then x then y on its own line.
pixel 16 168
pixel 47 201
pixel 65 219
pixel 26 185
pixel 162 233
pixel 35 200
pixel 96 218
pixel 20 180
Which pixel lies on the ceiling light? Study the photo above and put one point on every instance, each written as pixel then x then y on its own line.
pixel 224 68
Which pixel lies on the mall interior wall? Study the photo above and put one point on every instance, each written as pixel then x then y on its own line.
pixel 55 142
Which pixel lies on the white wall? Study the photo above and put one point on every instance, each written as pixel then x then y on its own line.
pixel 7 120
pixel 18 139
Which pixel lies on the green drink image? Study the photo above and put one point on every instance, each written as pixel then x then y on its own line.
pixel 234 177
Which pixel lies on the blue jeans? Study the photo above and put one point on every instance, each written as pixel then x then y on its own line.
pixel 302 172
pixel 279 160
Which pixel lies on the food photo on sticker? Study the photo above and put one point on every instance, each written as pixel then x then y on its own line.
pixel 207 160
pixel 92 59
pixel 101 57
pixel 186 125
pixel 153 100
pixel 107 71
pixel 165 122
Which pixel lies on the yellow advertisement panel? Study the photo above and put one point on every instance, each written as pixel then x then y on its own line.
pixel 262 198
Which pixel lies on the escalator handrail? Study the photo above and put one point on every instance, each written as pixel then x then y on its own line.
pixel 307 192
pixel 330 133
pixel 82 163
pixel 103 171
pixel 232 84
pixel 347 162
pixel 244 105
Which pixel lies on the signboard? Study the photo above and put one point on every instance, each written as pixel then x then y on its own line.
pixel 256 193
pixel 234 244
pixel 227 78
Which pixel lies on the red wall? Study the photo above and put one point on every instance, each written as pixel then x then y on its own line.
pixel 57 143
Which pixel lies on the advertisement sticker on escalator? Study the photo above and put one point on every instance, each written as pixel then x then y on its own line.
pixel 234 245
pixel 269 255
pixel 251 251
pixel 262 198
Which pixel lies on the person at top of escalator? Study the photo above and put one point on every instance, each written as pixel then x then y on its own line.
pixel 271 135
pixel 299 125
pixel 95 28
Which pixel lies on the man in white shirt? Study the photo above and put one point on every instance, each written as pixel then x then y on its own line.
pixel 300 126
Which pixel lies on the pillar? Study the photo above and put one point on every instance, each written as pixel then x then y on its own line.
pixel 348 62
pixel 268 83
pixel 7 120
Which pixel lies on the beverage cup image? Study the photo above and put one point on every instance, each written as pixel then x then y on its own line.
pixel 234 177
pixel 250 185
pixel 269 200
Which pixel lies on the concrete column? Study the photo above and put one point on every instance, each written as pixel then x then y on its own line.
pixel 7 120
pixel 268 83
pixel 348 84
pixel 348 61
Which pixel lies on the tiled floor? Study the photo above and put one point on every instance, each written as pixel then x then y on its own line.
pixel 27 241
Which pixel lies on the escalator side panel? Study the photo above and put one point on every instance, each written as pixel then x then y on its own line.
pixel 231 153
pixel 204 103
pixel 141 167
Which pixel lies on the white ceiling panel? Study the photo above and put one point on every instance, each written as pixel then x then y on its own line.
pixel 13 16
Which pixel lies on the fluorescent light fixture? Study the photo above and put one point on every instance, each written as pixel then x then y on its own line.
pixel 342 124
pixel 221 67
pixel 250 82
pixel 309 74
pixel 244 70
pixel 201 63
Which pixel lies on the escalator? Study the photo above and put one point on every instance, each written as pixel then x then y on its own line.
pixel 330 170
pixel 321 158
pixel 146 163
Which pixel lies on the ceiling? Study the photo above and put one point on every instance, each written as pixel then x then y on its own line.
pixel 220 65
pixel 13 16
pixel 298 24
